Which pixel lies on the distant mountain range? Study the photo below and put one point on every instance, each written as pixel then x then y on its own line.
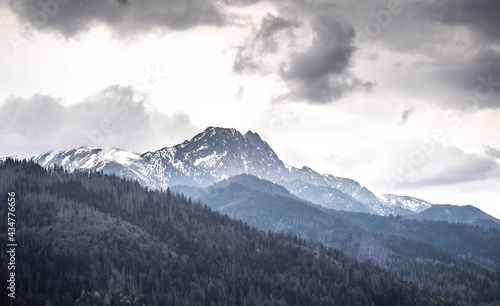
pixel 269 206
pixel 219 153
pixel 458 214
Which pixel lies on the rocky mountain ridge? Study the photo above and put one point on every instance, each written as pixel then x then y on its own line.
pixel 219 153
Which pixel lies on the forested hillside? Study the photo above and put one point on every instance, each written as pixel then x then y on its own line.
pixel 456 261
pixel 93 239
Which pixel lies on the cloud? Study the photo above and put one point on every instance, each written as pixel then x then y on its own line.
pixel 262 42
pixel 240 2
pixel 476 77
pixel 321 73
pixel 318 73
pixel 114 117
pixel 240 93
pixel 491 152
pixel 453 43
pixel 482 15
pixel 454 166
pixel 125 17
pixel 406 114
pixel 432 164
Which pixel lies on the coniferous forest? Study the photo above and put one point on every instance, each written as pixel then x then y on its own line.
pixel 459 262
pixel 95 239
pixel 250 152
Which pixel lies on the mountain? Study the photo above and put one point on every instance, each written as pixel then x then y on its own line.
pixel 325 196
pixel 94 159
pixel 427 253
pixel 219 153
pixel 213 155
pixel 458 214
pixel 254 183
pixel 94 239
pixel 360 194
pixel 437 256
pixel 269 206
pixel 109 160
pixel 405 204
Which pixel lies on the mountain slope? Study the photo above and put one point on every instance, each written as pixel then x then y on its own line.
pixel 325 196
pixel 430 254
pixel 92 239
pixel 267 206
pixel 478 245
pixel 271 206
pixel 459 214
pixel 109 160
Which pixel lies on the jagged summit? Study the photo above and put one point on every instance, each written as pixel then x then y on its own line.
pixel 217 138
pixel 255 138
pixel 215 154
pixel 217 132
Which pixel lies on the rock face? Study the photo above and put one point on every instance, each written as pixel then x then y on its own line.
pixel 214 154
pixel 219 153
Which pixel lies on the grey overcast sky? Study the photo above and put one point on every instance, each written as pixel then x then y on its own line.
pixel 401 95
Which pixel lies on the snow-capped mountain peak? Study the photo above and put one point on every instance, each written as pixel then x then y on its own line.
pixel 215 154
pixel 405 202
pixel 88 158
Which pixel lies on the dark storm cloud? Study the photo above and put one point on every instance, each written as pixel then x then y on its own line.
pixel 476 78
pixel 116 116
pixel 321 73
pixel 262 42
pixel 406 115
pixel 483 15
pixel 451 44
pixel 459 57
pixel 125 17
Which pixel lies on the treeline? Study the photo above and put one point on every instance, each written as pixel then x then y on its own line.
pixel 95 239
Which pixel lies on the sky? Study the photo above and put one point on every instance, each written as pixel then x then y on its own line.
pixel 400 95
